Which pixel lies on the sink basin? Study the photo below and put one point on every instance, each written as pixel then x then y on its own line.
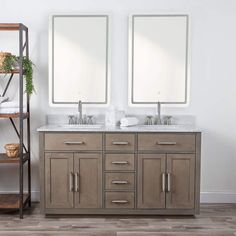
pixel 162 127
pixel 82 126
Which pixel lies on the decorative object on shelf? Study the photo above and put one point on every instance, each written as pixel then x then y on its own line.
pixel 2 57
pixel 12 150
pixel 9 62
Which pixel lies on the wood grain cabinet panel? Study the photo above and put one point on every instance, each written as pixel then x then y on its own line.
pixel 120 200
pixel 151 192
pixel 73 141
pixel 120 141
pixel 117 162
pixel 181 168
pixel 120 173
pixel 121 181
pixel 58 180
pixel 174 142
pixel 88 180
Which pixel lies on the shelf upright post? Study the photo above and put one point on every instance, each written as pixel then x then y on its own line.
pixel 21 118
pixel 28 123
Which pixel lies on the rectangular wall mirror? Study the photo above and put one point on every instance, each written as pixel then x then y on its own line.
pixel 79 59
pixel 158 59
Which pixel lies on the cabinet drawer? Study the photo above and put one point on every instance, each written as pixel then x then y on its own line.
pixel 72 141
pixel 120 142
pixel 119 162
pixel 121 181
pixel 119 200
pixel 167 142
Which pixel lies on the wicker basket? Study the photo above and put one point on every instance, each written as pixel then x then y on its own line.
pixel 12 150
pixel 2 57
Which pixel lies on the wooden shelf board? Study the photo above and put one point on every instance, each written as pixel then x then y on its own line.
pixel 9 26
pixel 15 115
pixel 12 201
pixel 8 160
pixel 10 72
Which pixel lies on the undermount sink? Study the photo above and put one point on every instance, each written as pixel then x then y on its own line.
pixel 80 126
pixel 163 127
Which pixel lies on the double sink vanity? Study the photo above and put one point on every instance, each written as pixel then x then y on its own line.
pixel 93 169
pixel 146 170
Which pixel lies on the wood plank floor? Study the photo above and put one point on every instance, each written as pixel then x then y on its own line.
pixel 214 220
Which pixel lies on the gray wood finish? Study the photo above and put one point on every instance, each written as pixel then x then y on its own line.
pixel 214 220
pixel 150 170
pixel 58 170
pixel 119 162
pixel 73 141
pixel 88 167
pixel 174 142
pixel 119 200
pixel 181 168
pixel 113 140
pixel 120 181
pixel 135 157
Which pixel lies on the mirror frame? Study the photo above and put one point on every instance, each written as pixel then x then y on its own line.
pixel 52 103
pixel 131 101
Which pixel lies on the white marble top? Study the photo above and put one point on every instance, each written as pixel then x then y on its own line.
pixel 138 128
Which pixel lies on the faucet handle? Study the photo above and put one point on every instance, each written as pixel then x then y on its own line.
pixel 149 120
pixel 168 120
pixel 71 119
pixel 90 120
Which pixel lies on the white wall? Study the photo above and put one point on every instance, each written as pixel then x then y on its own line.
pixel 213 76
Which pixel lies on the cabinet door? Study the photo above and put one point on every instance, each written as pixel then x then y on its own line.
pixel 88 180
pixel 151 189
pixel 59 180
pixel 181 180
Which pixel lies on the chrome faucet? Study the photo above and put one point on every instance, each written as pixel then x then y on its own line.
pixel 159 113
pixel 80 110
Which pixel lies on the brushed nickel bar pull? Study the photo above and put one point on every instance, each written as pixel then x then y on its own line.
pixel 120 143
pixel 120 201
pixel 71 188
pixel 120 162
pixel 166 143
pixel 168 182
pixel 74 143
pixel 163 182
pixel 119 182
pixel 76 182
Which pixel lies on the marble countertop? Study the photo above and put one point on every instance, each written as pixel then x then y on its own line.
pixel 138 128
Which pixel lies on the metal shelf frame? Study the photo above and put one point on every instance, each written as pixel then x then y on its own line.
pixel 25 150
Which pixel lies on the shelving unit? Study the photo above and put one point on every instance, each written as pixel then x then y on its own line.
pixel 20 200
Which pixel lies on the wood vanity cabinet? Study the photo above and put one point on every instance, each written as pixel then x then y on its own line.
pixel 73 180
pixel 120 173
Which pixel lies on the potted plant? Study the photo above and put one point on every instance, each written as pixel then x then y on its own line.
pixel 9 62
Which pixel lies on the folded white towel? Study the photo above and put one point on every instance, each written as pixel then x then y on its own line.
pixel 12 104
pixel 128 121
pixel 3 99
pixel 11 110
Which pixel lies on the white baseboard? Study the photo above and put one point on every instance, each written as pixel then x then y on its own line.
pixel 206 197
pixel 218 197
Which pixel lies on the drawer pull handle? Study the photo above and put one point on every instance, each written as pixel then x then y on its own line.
pixel 74 143
pixel 76 182
pixel 71 188
pixel 168 182
pixel 120 143
pixel 120 201
pixel 120 162
pixel 163 182
pixel 166 143
pixel 119 182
